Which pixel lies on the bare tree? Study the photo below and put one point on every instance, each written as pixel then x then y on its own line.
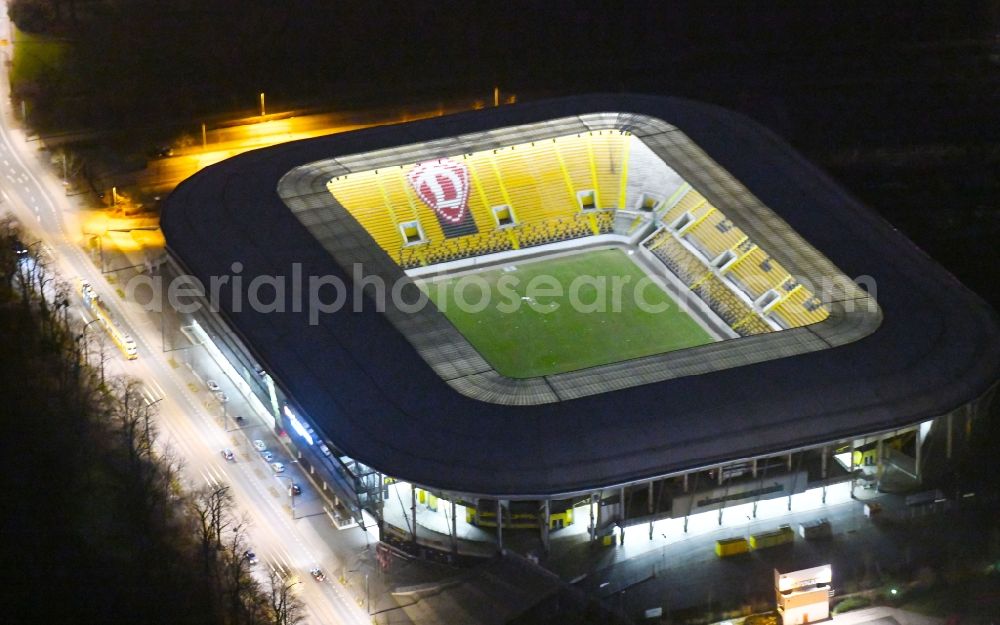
pixel 285 607
pixel 201 512
pixel 70 163
pixel 239 584
pixel 61 294
pixel 212 507
pixel 133 417
pixel 10 232
pixel 104 353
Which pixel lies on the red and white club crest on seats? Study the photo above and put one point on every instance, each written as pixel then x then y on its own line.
pixel 444 186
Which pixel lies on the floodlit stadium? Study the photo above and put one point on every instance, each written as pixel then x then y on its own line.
pixel 631 307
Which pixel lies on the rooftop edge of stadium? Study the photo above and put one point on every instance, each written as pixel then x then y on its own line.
pixel 356 378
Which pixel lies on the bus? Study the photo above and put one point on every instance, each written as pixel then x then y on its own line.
pixel 100 310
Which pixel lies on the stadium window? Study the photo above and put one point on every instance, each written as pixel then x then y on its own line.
pixel 768 299
pixel 648 202
pixel 724 259
pixel 587 199
pixel 412 233
pixel 681 222
pixel 504 216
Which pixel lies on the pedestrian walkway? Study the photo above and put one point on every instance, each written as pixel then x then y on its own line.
pixel 884 615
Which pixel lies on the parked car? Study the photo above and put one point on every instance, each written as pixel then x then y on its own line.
pixel 295 489
pixel 324 449
pixel 277 467
pixel 213 386
pixel 221 396
pixel 317 575
pixel 250 556
pixel 227 453
pixel 267 456
pixel 259 445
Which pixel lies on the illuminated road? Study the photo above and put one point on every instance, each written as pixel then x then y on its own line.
pixel 163 174
pixel 36 197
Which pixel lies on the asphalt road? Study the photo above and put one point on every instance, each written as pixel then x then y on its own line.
pixel 187 425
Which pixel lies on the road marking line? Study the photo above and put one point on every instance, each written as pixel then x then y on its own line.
pixel 207 479
pixel 157 387
pixel 278 557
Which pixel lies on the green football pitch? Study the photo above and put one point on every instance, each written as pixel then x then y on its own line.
pixel 564 313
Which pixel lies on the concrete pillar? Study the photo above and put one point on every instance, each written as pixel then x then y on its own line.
pixel 916 466
pixel 454 528
pixel 499 526
pixel 685 482
pixel 413 511
pixel 543 525
pixel 879 462
pixel 719 469
pixel 720 515
pixel 753 468
pixel 649 506
pixel 685 525
pixel 593 527
pixel 793 483
pixel 851 468
pixel 948 439
pixel 621 499
pixel 822 459
pixel 755 509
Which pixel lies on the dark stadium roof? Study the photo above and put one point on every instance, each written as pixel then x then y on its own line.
pixel 374 396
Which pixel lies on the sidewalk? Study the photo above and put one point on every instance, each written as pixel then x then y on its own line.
pixel 884 615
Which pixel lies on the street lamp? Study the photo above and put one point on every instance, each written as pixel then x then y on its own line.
pixel 83 332
pixel 85 356
pixel 368 605
pixel 223 400
pixel 100 247
pixel 291 491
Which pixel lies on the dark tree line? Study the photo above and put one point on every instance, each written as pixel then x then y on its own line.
pixel 97 526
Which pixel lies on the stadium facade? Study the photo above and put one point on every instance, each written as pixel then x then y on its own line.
pixel 829 338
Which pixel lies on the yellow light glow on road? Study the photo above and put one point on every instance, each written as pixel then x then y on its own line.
pixel 226 142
